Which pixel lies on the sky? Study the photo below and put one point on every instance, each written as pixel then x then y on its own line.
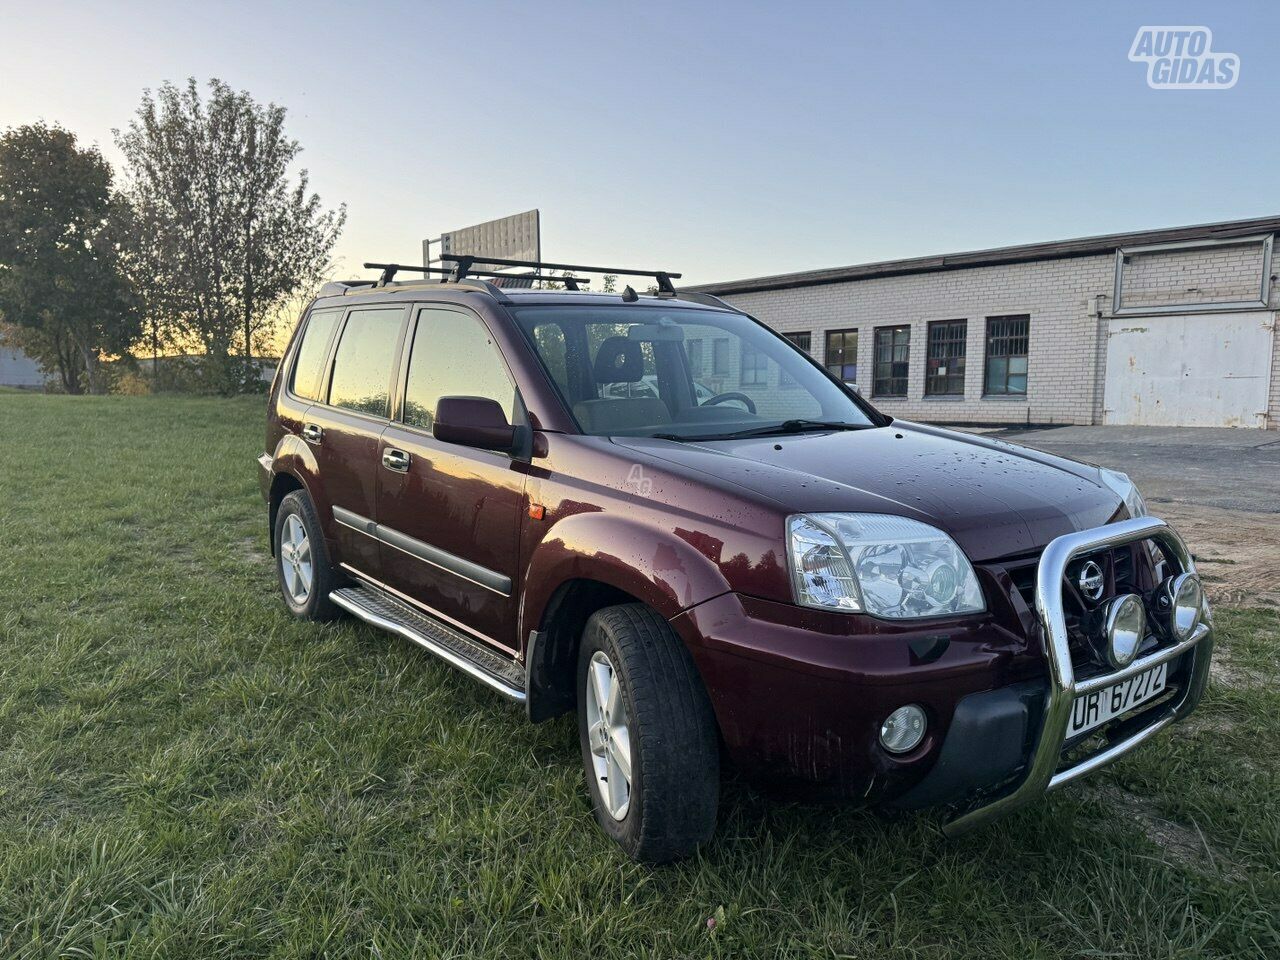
pixel 723 140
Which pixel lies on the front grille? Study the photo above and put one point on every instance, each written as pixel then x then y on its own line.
pixel 1126 569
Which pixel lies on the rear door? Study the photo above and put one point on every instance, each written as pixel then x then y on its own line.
pixel 345 429
pixel 450 516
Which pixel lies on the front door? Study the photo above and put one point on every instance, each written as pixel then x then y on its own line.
pixel 344 431
pixel 449 516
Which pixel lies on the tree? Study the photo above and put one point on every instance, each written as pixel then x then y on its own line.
pixel 221 234
pixel 63 295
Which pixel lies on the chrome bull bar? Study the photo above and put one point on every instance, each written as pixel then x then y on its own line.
pixel 1042 773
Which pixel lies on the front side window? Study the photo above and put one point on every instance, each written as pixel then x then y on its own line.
pixel 308 369
pixel 944 367
pixel 552 346
pixel 454 356
pixel 1006 374
pixel 630 373
pixel 893 353
pixel 842 355
pixel 362 364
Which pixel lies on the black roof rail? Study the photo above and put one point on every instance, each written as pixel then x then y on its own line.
pixel 706 299
pixel 464 262
pixel 336 288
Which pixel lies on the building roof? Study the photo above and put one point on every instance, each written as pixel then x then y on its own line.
pixel 1023 253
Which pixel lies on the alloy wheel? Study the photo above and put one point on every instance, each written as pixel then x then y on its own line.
pixel 295 560
pixel 609 734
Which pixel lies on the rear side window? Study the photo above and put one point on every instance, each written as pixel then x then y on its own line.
pixel 453 356
pixel 314 347
pixel 362 365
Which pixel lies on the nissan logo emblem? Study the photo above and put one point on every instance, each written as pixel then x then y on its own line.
pixel 1090 581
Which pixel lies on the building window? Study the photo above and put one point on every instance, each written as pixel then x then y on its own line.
pixel 1006 374
pixel 892 355
pixel 693 348
pixel 841 356
pixel 804 341
pixel 755 366
pixel 944 368
pixel 720 356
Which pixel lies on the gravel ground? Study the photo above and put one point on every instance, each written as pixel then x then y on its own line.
pixel 1219 488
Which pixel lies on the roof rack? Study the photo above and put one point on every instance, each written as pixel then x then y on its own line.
pixel 338 288
pixel 389 270
pixel 463 264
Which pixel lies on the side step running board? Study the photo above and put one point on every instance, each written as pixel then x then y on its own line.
pixel 454 647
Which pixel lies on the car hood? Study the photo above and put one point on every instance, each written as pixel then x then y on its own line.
pixel 995 499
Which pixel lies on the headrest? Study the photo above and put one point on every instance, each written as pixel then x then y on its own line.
pixel 619 360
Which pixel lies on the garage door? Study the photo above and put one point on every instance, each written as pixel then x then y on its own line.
pixel 1205 370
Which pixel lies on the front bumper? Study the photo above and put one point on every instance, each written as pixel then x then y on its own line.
pixel 1046 768
pixel 800 694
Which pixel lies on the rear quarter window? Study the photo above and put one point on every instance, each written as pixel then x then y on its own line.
pixel 309 367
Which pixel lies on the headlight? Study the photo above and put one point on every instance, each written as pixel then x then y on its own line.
pixel 879 564
pixel 1127 490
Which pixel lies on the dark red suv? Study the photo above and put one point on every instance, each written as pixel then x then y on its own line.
pixel 657 512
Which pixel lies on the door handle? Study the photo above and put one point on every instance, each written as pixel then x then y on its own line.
pixel 312 433
pixel 396 460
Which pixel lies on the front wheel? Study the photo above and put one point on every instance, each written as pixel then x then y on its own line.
pixel 648 735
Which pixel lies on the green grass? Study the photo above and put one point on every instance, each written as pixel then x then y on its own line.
pixel 185 771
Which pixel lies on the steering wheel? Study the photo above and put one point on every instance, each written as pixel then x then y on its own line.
pixel 726 397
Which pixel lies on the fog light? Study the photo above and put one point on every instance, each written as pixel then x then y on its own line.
pixel 903 729
pixel 1188 602
pixel 1125 626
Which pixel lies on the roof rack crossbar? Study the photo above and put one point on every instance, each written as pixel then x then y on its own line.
pixel 463 262
pixel 389 270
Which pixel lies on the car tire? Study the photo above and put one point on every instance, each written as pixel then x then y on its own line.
pixel 631 658
pixel 306 583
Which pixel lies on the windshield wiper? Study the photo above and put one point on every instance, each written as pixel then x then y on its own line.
pixel 786 426
pixel 794 426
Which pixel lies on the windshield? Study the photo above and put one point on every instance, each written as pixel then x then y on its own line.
pixel 682 373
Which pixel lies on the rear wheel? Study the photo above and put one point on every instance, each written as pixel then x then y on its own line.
pixel 302 563
pixel 648 735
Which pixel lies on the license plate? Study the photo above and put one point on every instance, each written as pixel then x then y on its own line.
pixel 1094 709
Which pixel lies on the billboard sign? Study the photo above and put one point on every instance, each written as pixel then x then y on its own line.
pixel 516 237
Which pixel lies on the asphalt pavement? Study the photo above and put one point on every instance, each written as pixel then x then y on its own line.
pixel 1224 468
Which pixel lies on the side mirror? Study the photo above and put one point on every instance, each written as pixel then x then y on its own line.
pixel 473 422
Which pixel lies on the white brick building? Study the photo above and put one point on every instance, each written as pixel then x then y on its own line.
pixel 1163 327
pixel 19 370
